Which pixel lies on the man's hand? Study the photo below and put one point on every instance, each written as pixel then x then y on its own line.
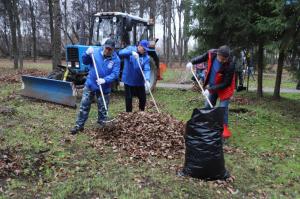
pixel 205 93
pixel 135 55
pixel 100 81
pixel 147 84
pixel 89 51
pixel 189 65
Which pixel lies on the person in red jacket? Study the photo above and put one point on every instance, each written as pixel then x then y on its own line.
pixel 219 80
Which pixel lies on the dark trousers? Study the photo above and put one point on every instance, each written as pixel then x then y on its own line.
pixel 139 92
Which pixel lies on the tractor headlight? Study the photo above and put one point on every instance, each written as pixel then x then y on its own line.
pixel 114 19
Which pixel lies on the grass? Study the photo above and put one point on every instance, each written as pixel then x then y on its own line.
pixel 266 165
pixel 176 75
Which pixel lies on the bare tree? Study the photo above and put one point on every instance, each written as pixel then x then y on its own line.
pixel 169 29
pixel 13 29
pixel 186 23
pixel 33 27
pixel 55 27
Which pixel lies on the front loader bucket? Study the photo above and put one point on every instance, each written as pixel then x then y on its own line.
pixel 51 90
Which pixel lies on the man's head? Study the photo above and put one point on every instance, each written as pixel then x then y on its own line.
pixel 143 46
pixel 109 47
pixel 223 54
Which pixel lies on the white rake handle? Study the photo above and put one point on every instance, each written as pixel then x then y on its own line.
pixel 100 87
pixel 211 106
pixel 147 85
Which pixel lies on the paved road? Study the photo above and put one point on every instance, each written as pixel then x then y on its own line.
pixel 189 86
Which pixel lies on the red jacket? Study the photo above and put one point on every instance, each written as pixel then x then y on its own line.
pixel 225 78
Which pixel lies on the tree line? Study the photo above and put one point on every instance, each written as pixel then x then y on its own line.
pixel 41 28
pixel 269 29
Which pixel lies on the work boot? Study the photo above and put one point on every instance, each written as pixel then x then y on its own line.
pixel 76 129
pixel 226 132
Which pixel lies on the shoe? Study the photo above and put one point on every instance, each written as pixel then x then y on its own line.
pixel 226 132
pixel 76 129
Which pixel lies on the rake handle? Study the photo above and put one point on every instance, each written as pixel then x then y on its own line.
pixel 147 85
pixel 211 106
pixel 100 87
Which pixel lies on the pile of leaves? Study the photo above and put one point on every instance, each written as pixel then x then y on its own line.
pixel 142 135
pixel 15 76
pixel 10 163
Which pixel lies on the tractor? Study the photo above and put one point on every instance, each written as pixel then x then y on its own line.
pixel 61 84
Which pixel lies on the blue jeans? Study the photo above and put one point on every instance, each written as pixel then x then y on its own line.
pixel 85 106
pixel 225 103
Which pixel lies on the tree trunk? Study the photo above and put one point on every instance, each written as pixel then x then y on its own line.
pixel 56 59
pixel 33 27
pixel 179 10
pixel 20 42
pixel 260 66
pixel 13 29
pixel 281 57
pixel 141 8
pixel 50 3
pixel 6 38
pixel 153 16
pixel 186 23
pixel 65 23
pixel 169 28
pixel 165 28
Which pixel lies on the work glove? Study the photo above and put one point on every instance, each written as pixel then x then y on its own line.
pixel 100 81
pixel 135 54
pixel 147 85
pixel 189 65
pixel 205 93
pixel 89 51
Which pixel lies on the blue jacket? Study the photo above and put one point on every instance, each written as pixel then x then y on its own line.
pixel 132 75
pixel 108 69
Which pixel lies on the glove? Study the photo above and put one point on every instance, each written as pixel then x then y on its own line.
pixel 135 54
pixel 147 85
pixel 205 93
pixel 189 65
pixel 100 81
pixel 89 51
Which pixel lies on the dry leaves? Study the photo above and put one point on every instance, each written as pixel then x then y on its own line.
pixel 10 163
pixel 15 76
pixel 142 135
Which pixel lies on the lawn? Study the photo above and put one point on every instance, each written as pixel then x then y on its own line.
pixel 177 75
pixel 263 153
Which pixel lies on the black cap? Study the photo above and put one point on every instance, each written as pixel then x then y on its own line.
pixel 109 43
pixel 224 51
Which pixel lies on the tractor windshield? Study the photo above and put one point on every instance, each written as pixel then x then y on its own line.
pixel 105 28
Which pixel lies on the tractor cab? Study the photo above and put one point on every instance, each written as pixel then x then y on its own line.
pixel 124 28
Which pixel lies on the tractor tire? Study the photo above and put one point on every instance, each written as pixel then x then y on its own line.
pixel 153 74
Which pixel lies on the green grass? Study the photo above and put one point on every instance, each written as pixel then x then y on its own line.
pixel 175 75
pixel 267 135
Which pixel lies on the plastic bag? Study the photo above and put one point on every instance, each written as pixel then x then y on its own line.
pixel 204 146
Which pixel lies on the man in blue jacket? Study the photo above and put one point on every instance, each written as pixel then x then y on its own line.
pixel 108 67
pixel 132 76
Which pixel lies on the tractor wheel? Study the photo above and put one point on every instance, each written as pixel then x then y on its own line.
pixel 153 74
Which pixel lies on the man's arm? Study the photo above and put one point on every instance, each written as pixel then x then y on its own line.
pixel 200 59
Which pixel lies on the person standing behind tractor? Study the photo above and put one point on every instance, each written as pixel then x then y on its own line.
pixel 108 67
pixel 134 83
pixel 219 81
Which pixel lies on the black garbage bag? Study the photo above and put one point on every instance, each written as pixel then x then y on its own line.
pixel 204 157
